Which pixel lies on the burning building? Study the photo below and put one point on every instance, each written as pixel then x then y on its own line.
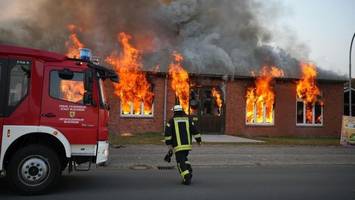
pixel 217 73
pixel 268 102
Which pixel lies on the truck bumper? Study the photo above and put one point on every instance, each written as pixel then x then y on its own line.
pixel 102 152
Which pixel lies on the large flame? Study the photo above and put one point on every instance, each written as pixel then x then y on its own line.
pixel 307 89
pixel 72 91
pixel 133 87
pixel 180 81
pixel 73 44
pixel 262 95
pixel 218 99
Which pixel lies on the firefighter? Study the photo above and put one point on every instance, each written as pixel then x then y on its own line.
pixel 178 135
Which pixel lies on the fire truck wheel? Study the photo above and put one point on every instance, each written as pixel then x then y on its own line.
pixel 34 169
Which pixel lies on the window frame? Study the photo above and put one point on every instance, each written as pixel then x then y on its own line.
pixel 131 115
pixel 313 124
pixel 49 86
pixel 264 116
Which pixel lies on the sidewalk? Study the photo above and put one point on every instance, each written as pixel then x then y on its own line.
pixel 227 139
pixel 217 155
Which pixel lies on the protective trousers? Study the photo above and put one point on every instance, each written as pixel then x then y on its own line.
pixel 184 166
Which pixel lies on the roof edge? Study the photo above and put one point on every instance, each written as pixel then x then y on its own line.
pixel 231 77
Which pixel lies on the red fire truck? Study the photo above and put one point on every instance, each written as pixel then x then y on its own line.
pixel 53 115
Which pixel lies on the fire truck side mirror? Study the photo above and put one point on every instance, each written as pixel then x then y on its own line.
pixel 88 98
pixel 88 83
pixel 88 80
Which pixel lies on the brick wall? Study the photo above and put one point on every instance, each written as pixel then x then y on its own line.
pixel 285 111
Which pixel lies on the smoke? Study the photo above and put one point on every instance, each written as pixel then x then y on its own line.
pixel 221 37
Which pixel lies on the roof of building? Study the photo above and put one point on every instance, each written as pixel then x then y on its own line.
pixel 217 68
pixel 213 69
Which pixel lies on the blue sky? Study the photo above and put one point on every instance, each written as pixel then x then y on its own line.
pixel 326 26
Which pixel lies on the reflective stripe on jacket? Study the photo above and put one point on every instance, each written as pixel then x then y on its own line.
pixel 179 131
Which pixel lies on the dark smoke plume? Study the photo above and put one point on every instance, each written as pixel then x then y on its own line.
pixel 215 36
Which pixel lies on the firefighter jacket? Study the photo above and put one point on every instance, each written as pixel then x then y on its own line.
pixel 179 131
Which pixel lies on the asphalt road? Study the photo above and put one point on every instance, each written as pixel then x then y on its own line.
pixel 233 182
pixel 235 155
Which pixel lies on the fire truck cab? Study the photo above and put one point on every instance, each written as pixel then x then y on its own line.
pixel 53 114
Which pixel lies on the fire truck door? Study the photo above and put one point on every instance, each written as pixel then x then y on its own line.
pixel 64 107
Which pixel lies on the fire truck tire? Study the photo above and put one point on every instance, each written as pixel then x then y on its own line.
pixel 34 169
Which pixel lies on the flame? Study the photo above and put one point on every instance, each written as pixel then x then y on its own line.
pixel 262 95
pixel 133 87
pixel 73 44
pixel 217 96
pixel 72 90
pixel 309 113
pixel 180 81
pixel 307 89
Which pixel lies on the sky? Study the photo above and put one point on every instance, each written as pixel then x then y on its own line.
pixel 326 26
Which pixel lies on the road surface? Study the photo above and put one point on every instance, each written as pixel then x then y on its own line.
pixel 234 182
pixel 220 172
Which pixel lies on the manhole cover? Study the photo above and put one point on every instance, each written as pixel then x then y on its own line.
pixel 140 167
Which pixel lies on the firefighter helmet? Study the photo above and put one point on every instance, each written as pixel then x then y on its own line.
pixel 177 108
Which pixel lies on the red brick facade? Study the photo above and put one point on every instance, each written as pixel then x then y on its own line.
pixel 120 125
pixel 285 110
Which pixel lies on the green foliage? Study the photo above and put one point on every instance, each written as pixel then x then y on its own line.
pixel 301 140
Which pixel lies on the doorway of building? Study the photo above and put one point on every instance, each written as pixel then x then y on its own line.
pixel 207 108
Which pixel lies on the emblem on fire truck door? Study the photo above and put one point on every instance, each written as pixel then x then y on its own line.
pixel 72 114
